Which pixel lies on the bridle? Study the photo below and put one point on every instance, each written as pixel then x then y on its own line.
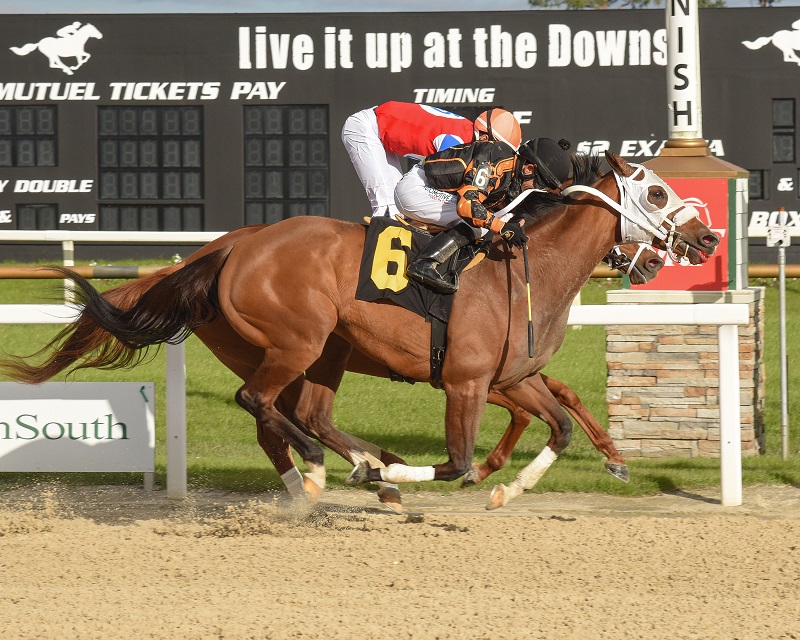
pixel 622 263
pixel 640 220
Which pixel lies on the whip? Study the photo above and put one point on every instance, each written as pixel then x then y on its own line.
pixel 528 286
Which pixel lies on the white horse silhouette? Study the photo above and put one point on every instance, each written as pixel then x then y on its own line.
pixel 66 46
pixel 787 41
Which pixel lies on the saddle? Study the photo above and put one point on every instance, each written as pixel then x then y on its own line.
pixel 390 245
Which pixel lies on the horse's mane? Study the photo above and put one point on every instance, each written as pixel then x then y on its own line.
pixel 585 171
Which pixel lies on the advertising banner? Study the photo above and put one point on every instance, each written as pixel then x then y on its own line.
pixel 77 426
pixel 710 196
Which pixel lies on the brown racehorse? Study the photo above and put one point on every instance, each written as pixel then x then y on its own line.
pixel 243 358
pixel 287 300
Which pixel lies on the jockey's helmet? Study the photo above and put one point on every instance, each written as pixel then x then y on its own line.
pixel 552 159
pixel 501 125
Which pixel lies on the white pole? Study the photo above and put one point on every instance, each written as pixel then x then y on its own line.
pixel 683 77
pixel 176 420
pixel 730 436
pixel 68 251
pixel 783 356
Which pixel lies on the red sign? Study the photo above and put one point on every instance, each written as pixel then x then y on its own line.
pixel 710 197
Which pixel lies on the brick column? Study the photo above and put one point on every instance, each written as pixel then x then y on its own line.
pixel 663 380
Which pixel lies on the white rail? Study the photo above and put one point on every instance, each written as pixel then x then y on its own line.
pixel 56 235
pixel 727 317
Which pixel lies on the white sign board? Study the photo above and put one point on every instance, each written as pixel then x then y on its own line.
pixel 762 221
pixel 77 426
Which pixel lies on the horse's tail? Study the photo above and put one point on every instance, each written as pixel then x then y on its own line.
pixel 24 50
pixel 115 330
pixel 758 43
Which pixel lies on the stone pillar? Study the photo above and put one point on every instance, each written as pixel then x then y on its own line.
pixel 663 380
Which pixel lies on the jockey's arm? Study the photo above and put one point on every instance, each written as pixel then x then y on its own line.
pixel 470 207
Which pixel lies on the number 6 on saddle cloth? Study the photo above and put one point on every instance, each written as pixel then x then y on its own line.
pixel 388 249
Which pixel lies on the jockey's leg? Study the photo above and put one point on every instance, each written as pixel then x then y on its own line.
pixel 425 267
pixel 415 199
pixel 378 170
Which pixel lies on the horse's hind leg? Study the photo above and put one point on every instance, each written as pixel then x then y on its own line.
pixel 313 409
pixel 280 454
pixel 258 397
pixel 55 63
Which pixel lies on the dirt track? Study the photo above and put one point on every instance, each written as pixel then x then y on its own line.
pixel 119 563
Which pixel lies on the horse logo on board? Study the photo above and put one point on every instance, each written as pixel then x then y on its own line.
pixel 70 42
pixel 785 40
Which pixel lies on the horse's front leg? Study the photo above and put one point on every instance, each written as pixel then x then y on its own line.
pixel 534 397
pixel 466 403
pixel 499 456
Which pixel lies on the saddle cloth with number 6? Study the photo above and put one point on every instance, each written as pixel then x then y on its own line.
pixel 388 249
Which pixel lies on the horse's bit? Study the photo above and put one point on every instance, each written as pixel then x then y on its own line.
pixel 619 261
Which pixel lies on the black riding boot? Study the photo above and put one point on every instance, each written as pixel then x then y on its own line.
pixel 424 267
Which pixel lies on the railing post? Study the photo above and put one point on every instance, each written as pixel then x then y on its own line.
pixel 68 256
pixel 176 420
pixel 730 445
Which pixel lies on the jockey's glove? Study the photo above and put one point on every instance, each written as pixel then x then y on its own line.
pixel 513 234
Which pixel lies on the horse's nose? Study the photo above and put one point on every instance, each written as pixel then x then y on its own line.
pixel 654 264
pixel 710 240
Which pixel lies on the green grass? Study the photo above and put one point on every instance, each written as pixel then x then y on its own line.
pixel 408 419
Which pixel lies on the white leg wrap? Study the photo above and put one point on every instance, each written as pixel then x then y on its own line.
pixel 404 473
pixel 531 474
pixel 293 481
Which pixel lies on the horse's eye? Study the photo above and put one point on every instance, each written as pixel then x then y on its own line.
pixel 658 194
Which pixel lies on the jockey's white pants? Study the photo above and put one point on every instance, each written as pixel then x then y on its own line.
pixel 378 169
pixel 415 199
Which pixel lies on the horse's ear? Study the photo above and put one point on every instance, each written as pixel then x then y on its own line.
pixel 619 164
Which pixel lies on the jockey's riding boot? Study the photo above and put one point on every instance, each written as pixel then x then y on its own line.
pixel 424 268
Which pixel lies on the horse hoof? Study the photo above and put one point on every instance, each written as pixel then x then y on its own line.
pixel 359 474
pixel 471 478
pixel 391 498
pixel 497 498
pixel 312 489
pixel 619 471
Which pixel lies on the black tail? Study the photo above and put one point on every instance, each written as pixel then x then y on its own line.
pixel 107 337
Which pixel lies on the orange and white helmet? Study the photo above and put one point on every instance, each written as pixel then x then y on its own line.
pixel 501 125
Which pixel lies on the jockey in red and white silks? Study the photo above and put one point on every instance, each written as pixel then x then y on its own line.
pixel 376 139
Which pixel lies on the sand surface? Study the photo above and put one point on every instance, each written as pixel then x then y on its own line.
pixel 118 562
